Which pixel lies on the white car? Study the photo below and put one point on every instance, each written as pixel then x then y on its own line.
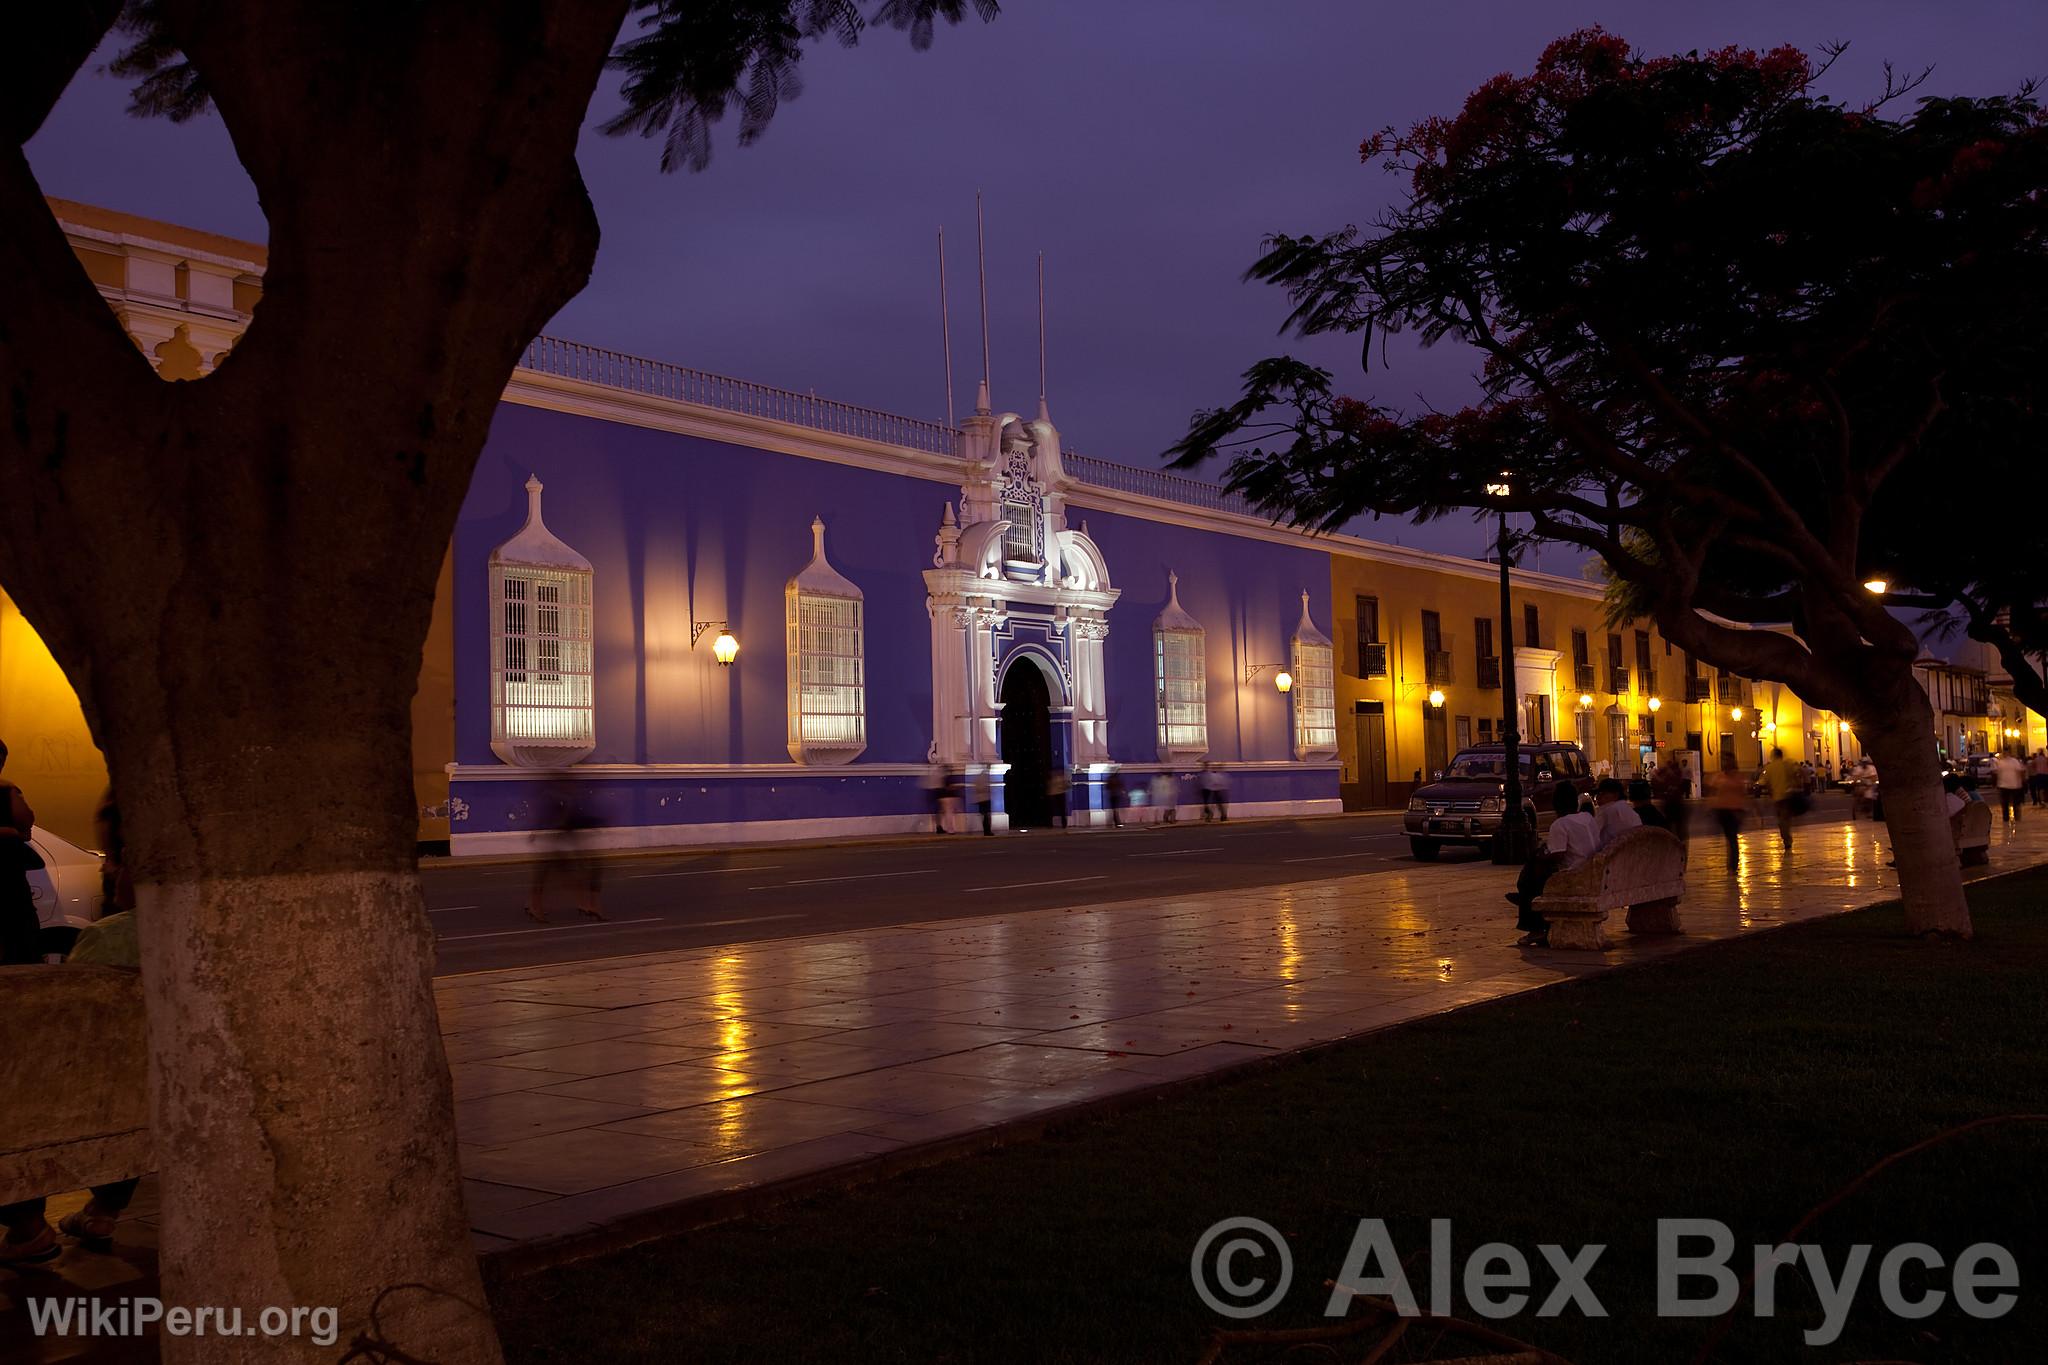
pixel 67 889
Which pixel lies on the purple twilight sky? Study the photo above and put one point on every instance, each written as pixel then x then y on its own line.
pixel 1145 146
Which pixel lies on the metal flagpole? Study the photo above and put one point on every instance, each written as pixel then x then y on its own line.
pixel 1041 327
pixel 981 266
pixel 946 327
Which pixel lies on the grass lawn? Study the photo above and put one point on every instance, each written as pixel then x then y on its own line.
pixel 1744 1082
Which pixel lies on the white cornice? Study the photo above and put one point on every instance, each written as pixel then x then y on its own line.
pixel 590 772
pixel 169 252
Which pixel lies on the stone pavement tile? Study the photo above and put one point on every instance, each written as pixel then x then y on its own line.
pixel 600 1058
pixel 952 999
pixel 857 1014
pixel 1011 1067
pixel 959 1120
pixel 737 1035
pixel 814 1059
pixel 929 1037
pixel 501 1040
pixel 575 1161
pixel 1050 1012
pixel 670 1087
pixel 668 1014
pixel 896 1090
pixel 481 1197
pixel 756 1124
pixel 503 1011
pixel 560 1217
pixel 474 1080
pixel 494 1120
pixel 1125 1035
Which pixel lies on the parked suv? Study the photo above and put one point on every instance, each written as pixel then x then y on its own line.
pixel 1465 803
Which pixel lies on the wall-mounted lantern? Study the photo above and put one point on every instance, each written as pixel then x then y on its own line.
pixel 724 648
pixel 1436 698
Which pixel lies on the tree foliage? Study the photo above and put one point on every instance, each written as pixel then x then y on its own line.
pixel 1734 334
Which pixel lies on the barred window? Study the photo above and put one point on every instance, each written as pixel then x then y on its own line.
pixel 827 662
pixel 542 647
pixel 1180 673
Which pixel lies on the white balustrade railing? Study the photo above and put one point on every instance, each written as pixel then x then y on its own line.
pixel 659 379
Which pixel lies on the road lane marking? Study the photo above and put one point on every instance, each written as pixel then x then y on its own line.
pixel 701 872
pixel 859 877
pixel 720 923
pixel 444 909
pixel 1331 857
pixel 1057 881
pixel 1176 852
pixel 554 928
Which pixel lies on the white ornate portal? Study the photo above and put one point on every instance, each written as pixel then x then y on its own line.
pixel 1010 582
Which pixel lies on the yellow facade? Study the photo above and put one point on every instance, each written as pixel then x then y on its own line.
pixel 1620 692
pixel 184 296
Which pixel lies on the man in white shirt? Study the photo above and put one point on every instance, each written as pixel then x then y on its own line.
pixel 1572 837
pixel 1613 814
pixel 2009 774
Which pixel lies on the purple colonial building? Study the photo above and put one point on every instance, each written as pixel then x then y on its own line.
pixel 894 598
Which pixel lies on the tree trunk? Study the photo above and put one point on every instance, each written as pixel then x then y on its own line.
pixel 1901 741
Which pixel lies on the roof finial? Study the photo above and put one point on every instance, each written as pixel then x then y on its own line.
pixel 818 540
pixel 533 487
pixel 1043 414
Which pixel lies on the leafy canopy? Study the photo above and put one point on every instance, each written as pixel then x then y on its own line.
pixel 1731 330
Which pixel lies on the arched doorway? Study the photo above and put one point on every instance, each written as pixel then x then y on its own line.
pixel 1026 736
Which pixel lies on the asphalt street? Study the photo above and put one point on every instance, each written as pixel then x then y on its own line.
pixel 660 901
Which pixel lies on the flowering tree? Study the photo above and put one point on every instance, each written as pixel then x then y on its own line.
pixel 1727 325
pixel 236 573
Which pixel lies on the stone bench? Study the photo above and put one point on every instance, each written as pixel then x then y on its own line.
pixel 75 1080
pixel 1642 870
pixel 1973 834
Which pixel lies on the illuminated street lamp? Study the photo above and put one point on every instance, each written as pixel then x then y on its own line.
pixel 1284 680
pixel 1436 698
pixel 724 648
pixel 1735 713
pixel 1876 585
pixel 1585 701
pixel 1656 704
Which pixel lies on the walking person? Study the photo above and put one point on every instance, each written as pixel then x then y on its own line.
pixel 20 929
pixel 1787 791
pixel 1671 787
pixel 2037 784
pixel 1057 785
pixel 1214 791
pixel 938 785
pixel 584 872
pixel 1863 790
pixel 2009 775
pixel 1729 800
pixel 1113 792
pixel 1166 796
pixel 985 800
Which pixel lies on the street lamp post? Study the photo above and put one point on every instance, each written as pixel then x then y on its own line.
pixel 1511 846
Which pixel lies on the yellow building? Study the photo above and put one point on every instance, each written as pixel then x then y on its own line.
pixel 184 296
pixel 1421 675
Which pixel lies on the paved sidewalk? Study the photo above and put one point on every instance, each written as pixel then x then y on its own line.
pixel 595 1096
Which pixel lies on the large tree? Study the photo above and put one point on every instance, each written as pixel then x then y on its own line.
pixel 236 573
pixel 1725 323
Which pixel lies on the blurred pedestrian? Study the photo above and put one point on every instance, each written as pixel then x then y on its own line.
pixel 1057 785
pixel 1612 813
pixel 985 799
pixel 1166 796
pixel 2010 776
pixel 2037 777
pixel 1671 787
pixel 1730 801
pixel 572 857
pixel 1113 790
pixel 938 785
pixel 1787 790
pixel 1645 806
pixel 20 929
pixel 1215 790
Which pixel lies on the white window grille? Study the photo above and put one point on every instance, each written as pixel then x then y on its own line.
pixel 1315 690
pixel 827 662
pixel 1180 675
pixel 542 647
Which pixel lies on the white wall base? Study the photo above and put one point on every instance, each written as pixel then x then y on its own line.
pixel 848 827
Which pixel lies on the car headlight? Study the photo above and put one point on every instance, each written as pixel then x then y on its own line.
pixel 1493 805
pixel 1416 803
